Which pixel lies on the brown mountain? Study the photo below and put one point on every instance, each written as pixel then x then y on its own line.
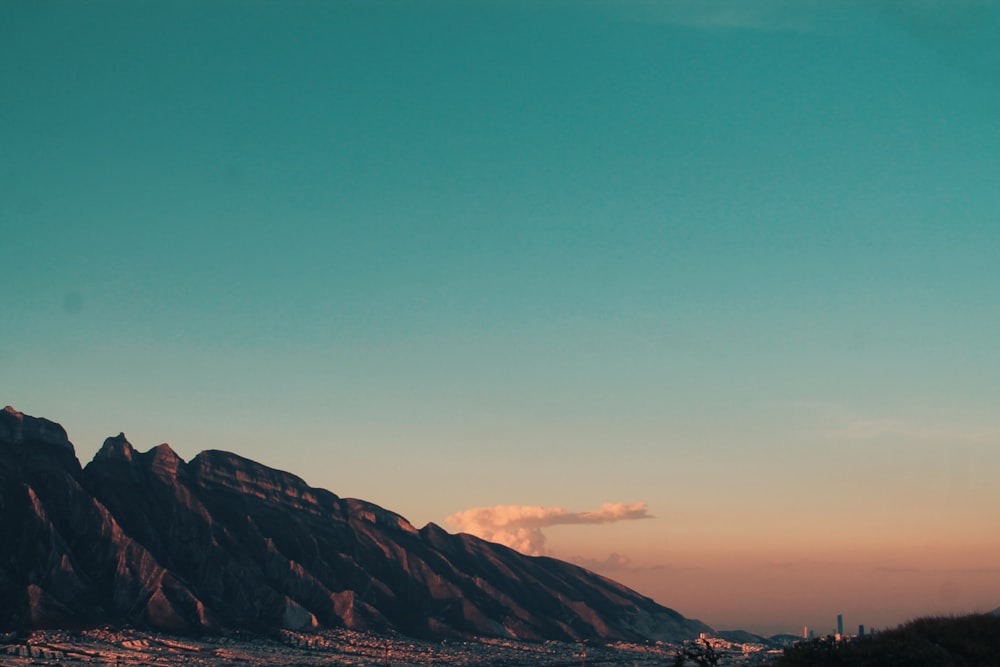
pixel 223 542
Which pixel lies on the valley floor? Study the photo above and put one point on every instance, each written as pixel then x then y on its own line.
pixel 340 648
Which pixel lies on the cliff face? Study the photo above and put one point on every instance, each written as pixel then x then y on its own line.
pixel 224 542
pixel 64 558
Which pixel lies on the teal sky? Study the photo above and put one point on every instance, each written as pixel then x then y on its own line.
pixel 735 260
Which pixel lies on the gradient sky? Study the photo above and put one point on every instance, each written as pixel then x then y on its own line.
pixel 736 261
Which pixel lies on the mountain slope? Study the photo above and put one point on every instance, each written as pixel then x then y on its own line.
pixel 222 541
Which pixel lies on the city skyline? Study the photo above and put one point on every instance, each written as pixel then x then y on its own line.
pixel 698 295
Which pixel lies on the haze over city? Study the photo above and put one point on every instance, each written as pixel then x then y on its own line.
pixel 701 296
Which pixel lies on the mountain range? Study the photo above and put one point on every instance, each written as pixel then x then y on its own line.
pixel 220 542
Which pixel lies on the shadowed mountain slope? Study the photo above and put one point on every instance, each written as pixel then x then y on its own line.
pixel 224 542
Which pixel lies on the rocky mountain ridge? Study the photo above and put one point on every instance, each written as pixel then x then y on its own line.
pixel 147 539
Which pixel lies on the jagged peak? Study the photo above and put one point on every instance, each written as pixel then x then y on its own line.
pixel 117 448
pixel 434 534
pixel 163 457
pixel 17 427
pixel 164 450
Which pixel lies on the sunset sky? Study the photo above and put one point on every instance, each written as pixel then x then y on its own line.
pixel 702 295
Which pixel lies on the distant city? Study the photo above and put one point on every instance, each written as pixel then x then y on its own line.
pixel 838 634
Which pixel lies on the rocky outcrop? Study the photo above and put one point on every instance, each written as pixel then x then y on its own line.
pixel 223 542
pixel 25 439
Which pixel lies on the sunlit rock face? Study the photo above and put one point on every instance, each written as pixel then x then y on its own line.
pixel 64 558
pixel 148 539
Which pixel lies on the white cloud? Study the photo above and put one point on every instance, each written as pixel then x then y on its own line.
pixel 520 526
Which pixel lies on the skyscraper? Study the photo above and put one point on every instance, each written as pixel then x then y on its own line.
pixel 840 624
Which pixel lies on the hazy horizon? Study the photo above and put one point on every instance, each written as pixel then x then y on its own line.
pixel 699 295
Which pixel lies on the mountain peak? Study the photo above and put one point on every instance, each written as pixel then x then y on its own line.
pixel 163 458
pixel 117 447
pixel 19 428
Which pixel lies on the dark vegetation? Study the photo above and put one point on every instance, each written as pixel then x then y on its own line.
pixel 701 653
pixel 957 641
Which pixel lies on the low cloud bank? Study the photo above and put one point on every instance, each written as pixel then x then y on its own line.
pixel 520 526
pixel 615 562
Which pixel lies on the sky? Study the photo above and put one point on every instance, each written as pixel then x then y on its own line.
pixel 700 295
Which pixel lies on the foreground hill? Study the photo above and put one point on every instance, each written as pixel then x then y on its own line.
pixel 956 641
pixel 223 542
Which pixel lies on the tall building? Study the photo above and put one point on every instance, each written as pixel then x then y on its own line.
pixel 840 624
pixel 861 631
